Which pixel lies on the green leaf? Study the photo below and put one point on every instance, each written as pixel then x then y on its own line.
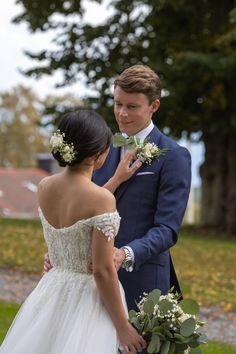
pixel 136 323
pixel 172 348
pixel 132 314
pixel 165 306
pixel 187 328
pixel 180 338
pixel 154 345
pixel 160 331
pixel 190 306
pixel 148 306
pixel 165 348
pixel 154 295
pixel 180 348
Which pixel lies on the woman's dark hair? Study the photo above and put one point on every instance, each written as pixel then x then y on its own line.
pixel 87 131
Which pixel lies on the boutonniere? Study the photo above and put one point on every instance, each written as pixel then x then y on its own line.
pixel 146 151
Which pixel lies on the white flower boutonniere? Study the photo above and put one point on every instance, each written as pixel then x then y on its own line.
pixel 58 144
pixel 147 152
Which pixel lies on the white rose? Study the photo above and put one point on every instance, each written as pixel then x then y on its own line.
pixel 148 150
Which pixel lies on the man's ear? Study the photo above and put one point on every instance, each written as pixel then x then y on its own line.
pixel 155 105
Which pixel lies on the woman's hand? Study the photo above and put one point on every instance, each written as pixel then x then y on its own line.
pixel 126 168
pixel 130 340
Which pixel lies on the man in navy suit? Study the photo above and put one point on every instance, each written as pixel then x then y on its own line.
pixel 153 201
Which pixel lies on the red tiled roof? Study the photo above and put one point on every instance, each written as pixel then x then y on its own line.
pixel 18 186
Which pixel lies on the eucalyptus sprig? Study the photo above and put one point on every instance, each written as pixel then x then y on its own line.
pixel 168 325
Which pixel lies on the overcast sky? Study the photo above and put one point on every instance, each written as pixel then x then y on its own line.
pixel 15 38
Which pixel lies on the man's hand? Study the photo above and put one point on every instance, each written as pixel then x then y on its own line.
pixel 119 257
pixel 47 264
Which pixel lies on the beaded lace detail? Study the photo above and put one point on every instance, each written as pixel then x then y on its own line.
pixel 69 248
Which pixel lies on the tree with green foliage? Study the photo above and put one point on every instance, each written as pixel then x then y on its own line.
pixel 192 47
pixel 21 135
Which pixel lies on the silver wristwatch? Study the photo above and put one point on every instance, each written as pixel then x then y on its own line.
pixel 128 261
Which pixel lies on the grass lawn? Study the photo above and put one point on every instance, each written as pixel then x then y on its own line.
pixel 22 245
pixel 206 268
pixel 8 311
pixel 204 263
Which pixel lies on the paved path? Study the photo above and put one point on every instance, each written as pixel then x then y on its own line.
pixel 220 325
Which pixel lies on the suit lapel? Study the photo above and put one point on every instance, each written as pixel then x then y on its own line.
pixel 153 137
pixel 113 161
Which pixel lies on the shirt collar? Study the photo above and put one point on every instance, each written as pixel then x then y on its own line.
pixel 143 133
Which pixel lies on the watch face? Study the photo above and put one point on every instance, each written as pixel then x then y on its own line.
pixel 128 263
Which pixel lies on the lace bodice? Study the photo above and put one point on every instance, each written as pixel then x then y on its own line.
pixel 69 248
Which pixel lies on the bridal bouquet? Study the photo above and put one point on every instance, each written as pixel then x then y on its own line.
pixel 167 325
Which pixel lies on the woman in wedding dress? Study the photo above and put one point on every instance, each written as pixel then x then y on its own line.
pixel 74 311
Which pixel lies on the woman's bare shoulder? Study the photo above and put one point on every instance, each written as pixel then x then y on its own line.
pixel 103 200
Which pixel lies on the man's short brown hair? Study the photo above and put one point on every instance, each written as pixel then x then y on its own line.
pixel 140 79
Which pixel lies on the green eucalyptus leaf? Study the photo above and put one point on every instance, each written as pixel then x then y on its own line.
pixel 154 345
pixel 187 328
pixel 165 306
pixel 154 295
pixel 132 314
pixel 160 331
pixel 180 338
pixel 180 348
pixel 165 347
pixel 193 343
pixel 151 347
pixel 136 323
pixel 172 348
pixel 190 306
pixel 148 307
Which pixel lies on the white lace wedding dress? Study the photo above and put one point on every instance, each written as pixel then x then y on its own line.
pixel 64 314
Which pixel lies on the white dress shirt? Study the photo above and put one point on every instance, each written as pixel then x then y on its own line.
pixel 141 135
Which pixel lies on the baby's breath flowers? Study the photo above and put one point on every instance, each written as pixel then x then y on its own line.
pixel 167 325
pixel 57 144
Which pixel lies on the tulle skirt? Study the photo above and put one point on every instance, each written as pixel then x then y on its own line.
pixel 63 315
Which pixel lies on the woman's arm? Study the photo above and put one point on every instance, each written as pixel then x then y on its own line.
pixel 106 278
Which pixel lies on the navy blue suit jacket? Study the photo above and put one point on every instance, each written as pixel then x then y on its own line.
pixel 151 205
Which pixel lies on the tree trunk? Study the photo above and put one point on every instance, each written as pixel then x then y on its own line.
pixel 231 187
pixel 213 173
pixel 218 173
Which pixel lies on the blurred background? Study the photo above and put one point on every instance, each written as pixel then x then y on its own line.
pixel 35 101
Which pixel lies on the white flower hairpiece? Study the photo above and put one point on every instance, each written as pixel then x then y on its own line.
pixel 58 144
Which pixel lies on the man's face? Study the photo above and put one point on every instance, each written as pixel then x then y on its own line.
pixel 133 112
